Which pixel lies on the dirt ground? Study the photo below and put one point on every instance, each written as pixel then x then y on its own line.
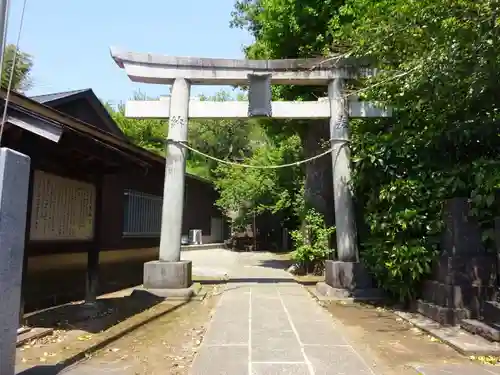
pixel 169 341
pixel 389 339
pixel 167 345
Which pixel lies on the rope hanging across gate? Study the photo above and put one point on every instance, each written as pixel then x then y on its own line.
pixel 242 165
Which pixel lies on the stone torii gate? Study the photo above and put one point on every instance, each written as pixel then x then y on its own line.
pixel 169 275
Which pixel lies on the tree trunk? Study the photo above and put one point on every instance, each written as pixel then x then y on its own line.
pixel 319 180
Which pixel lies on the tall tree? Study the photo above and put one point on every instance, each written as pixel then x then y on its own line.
pixel 439 62
pixel 21 80
pixel 291 29
pixel 249 191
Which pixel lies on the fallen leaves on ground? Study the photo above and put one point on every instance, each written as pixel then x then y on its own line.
pixel 84 337
pixel 487 360
pixel 56 337
pixel 433 339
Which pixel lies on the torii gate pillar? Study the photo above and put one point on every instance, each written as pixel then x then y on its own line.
pixel 345 222
pixel 346 276
pixel 175 167
pixel 170 276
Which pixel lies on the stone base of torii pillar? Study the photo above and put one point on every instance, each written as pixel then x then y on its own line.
pixel 347 280
pixel 172 280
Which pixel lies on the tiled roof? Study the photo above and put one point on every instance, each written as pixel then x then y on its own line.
pixel 55 96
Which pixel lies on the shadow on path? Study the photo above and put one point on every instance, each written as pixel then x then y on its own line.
pixel 257 280
pixel 43 370
pixel 280 264
pixel 93 319
pixel 61 367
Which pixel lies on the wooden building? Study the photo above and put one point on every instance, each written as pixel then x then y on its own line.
pixel 95 199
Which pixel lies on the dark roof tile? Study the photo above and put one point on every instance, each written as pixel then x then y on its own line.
pixel 55 96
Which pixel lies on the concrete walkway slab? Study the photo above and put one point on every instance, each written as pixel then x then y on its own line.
pixel 266 329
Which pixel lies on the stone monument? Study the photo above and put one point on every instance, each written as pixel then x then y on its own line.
pixel 14 182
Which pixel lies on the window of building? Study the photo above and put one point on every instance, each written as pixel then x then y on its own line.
pixel 142 214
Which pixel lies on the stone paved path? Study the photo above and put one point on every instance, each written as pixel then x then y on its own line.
pixel 275 327
pixel 279 329
pixel 262 329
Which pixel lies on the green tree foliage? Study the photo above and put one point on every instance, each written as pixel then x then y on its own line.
pixel 145 133
pixel 21 80
pixel 440 63
pixel 249 191
pixel 291 29
pixel 225 139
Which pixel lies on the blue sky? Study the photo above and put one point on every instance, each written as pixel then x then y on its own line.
pixel 70 40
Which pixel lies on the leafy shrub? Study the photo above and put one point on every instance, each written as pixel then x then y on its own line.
pixel 312 242
pixel 399 268
pixel 404 223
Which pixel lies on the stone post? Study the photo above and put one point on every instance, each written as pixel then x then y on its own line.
pixel 175 167
pixel 347 250
pixel 14 182
pixel 169 273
